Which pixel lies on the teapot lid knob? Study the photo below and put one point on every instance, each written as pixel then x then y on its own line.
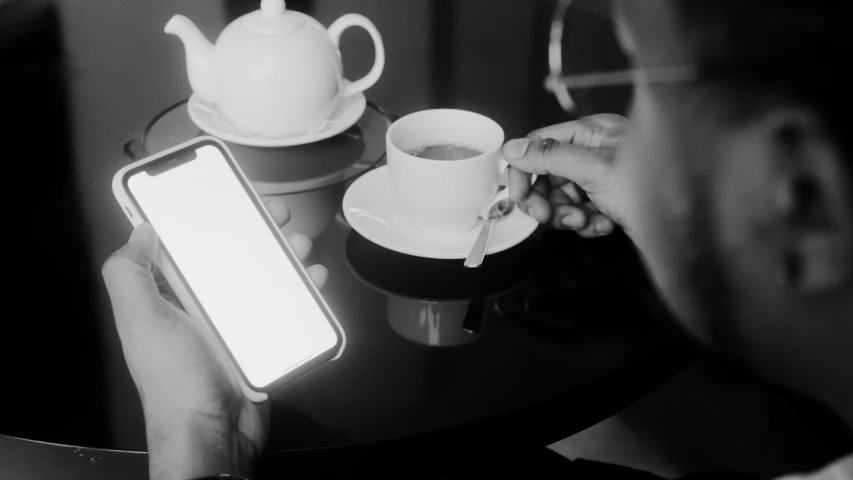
pixel 272 8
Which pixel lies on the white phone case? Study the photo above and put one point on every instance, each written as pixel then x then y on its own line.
pixel 168 269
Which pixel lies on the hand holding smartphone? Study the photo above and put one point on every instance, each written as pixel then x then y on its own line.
pixel 229 265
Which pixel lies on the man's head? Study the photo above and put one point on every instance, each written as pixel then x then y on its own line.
pixel 743 180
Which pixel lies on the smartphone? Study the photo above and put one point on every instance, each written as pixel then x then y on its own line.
pixel 229 264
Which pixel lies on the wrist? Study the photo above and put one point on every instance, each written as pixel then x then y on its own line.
pixel 188 446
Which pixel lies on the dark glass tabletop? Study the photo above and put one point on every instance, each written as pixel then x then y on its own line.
pixel 432 345
pixel 442 362
pixel 545 339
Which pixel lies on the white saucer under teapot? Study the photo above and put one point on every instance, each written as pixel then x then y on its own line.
pixel 274 72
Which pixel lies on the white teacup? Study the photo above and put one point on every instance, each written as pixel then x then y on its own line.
pixel 444 198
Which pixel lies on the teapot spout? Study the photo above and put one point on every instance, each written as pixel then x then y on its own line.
pixel 199 53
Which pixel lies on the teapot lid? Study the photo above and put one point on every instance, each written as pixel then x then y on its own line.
pixel 273 18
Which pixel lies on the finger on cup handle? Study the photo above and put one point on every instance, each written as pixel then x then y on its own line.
pixel 539 203
pixel 531 199
pixel 519 185
pixel 534 199
pixel 513 176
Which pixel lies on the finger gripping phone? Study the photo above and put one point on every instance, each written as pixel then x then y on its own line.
pixel 229 264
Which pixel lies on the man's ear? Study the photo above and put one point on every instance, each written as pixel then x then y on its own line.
pixel 813 203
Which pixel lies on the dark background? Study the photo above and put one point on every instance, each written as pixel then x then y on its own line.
pixel 51 336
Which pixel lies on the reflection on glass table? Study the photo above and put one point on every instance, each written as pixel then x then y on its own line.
pixel 313 176
pixel 436 303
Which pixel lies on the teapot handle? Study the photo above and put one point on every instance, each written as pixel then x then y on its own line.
pixel 356 20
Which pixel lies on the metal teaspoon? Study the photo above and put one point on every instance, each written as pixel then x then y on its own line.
pixel 500 209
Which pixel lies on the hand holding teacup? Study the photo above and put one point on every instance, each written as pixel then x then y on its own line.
pixel 578 185
pixel 446 167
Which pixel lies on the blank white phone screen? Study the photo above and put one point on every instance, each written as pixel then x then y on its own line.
pixel 239 273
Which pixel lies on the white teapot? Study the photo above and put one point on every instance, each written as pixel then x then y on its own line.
pixel 274 72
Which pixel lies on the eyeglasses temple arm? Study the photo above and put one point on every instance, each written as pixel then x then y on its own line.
pixel 672 74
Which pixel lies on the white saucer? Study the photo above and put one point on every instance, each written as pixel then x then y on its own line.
pixel 208 118
pixel 371 210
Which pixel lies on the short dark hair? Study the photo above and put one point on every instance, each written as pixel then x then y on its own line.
pixel 797 50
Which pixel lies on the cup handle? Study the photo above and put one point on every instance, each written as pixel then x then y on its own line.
pixel 356 20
